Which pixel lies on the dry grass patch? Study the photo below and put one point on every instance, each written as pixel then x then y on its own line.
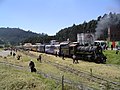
pixel 12 79
pixel 107 71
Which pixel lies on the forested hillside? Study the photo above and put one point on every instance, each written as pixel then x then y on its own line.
pixel 71 32
pixel 99 27
pixel 15 35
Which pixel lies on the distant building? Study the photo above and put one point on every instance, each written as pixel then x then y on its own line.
pixel 27 46
pixel 54 42
pixel 38 44
pixel 2 45
pixel 84 38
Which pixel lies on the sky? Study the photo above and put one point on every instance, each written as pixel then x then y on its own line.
pixel 50 16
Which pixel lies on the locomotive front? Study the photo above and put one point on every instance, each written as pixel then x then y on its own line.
pixel 91 53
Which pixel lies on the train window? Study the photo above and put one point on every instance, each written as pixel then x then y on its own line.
pixel 101 43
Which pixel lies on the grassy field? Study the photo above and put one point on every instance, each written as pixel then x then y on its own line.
pixel 12 79
pixel 112 57
pixel 15 75
pixel 55 66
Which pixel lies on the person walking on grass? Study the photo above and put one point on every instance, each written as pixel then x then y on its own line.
pixel 32 66
pixel 11 53
pixel 62 53
pixel 18 57
pixel 56 53
pixel 39 58
pixel 74 59
pixel 63 57
pixel 111 47
pixel 14 54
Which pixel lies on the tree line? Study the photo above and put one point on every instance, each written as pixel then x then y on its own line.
pixel 66 33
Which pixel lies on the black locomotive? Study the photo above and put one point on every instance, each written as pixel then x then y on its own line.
pixel 88 53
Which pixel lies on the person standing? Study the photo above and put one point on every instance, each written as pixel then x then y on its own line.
pixel 56 53
pixel 14 54
pixel 18 57
pixel 11 53
pixel 63 56
pixel 74 57
pixel 111 47
pixel 32 66
pixel 39 58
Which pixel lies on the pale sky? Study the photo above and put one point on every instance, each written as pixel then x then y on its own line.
pixel 50 16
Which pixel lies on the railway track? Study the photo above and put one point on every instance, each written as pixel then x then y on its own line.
pixel 94 78
pixel 78 86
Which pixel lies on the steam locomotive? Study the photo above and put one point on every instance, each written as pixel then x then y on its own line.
pixel 88 53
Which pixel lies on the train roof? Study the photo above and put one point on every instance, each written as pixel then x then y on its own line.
pixel 65 42
pixel 99 41
pixel 73 44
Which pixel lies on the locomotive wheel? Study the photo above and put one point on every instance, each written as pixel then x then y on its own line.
pixel 97 60
pixel 103 60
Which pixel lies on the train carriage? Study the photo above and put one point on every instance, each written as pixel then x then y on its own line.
pixel 68 49
pixel 88 53
pixel 52 49
pixel 34 47
pixel 56 49
pixel 64 49
pixel 41 48
pixel 49 49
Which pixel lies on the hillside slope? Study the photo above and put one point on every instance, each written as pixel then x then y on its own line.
pixel 15 35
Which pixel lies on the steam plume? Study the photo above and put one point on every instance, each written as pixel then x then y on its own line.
pixel 105 22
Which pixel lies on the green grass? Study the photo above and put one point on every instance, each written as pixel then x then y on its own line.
pixel 15 79
pixel 12 79
pixel 112 57
pixel 110 72
pixel 107 71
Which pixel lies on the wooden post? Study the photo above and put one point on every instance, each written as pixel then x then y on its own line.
pixel 91 71
pixel 62 82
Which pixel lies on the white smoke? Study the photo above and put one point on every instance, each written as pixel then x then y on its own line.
pixel 105 22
